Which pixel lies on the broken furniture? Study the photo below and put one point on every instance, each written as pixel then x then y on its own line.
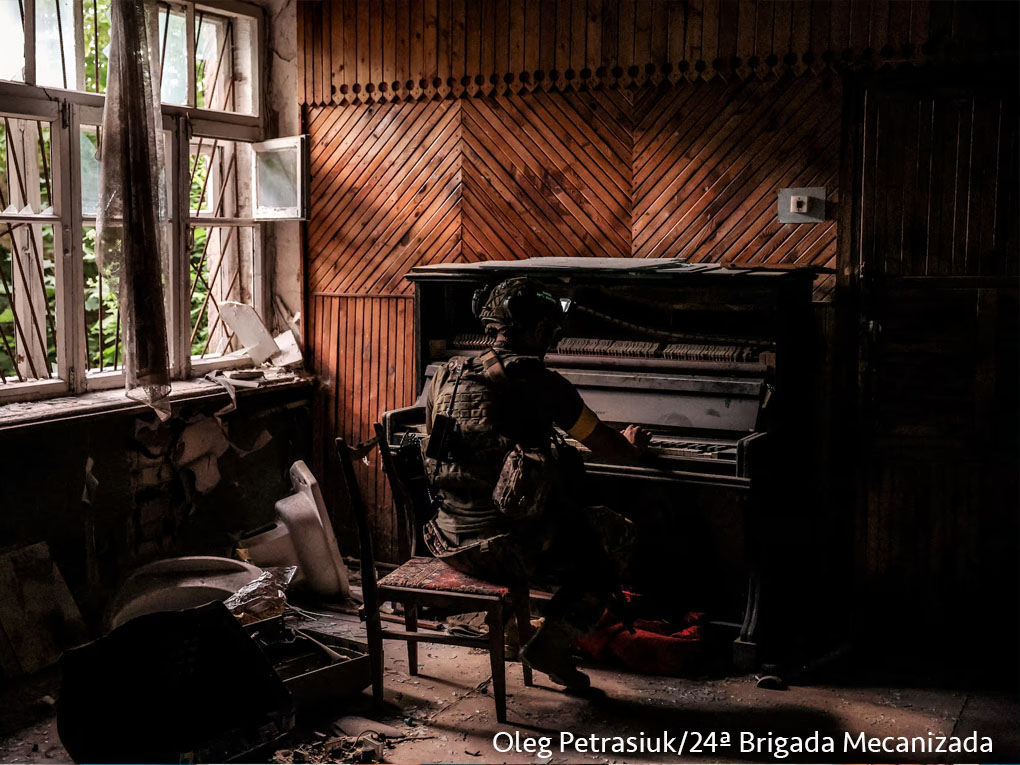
pixel 185 686
pixel 426 581
pixel 302 536
pixel 177 583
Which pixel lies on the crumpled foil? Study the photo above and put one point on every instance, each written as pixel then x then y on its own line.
pixel 262 598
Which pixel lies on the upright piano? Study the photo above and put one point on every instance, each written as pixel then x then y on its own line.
pixel 712 360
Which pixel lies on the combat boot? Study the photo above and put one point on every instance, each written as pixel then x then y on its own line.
pixel 549 651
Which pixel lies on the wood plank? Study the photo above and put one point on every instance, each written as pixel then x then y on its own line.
pixel 501 46
pixel 821 27
pixel 487 67
pixel 563 26
pixel 746 28
pixel 782 30
pixel 578 36
pixel 593 37
pixel 326 71
pixel 660 31
pixel 416 35
pixel 364 44
pixel 859 35
pixel 375 41
pixel 389 68
pixel 729 28
pixel 402 71
pixel 338 76
pixel 764 22
pixel 610 34
pixel 532 36
pixel 430 41
pixel 627 16
pixel 899 23
pixel 444 41
pixel 473 41
pixel 840 32
pixel 516 38
pixel 642 33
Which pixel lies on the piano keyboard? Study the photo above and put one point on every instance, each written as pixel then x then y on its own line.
pixel 670 448
pixel 635 349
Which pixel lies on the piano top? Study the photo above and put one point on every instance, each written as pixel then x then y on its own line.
pixel 595 267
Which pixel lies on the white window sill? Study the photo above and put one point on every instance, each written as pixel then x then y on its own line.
pixel 113 401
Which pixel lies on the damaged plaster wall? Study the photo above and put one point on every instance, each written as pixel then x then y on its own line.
pixel 111 493
pixel 283 118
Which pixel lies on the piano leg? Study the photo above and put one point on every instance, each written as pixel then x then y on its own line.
pixel 745 648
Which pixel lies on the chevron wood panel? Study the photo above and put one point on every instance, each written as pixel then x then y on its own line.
pixel 386 194
pixel 546 174
pixel 710 160
pixel 360 50
pixel 364 359
pixel 691 169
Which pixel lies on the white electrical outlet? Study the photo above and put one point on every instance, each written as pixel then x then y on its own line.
pixel 798 204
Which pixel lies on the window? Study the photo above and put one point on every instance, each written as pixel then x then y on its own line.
pixel 60 326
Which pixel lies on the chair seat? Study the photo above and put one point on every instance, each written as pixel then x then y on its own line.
pixel 433 574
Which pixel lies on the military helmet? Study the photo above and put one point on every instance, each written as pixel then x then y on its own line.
pixel 519 303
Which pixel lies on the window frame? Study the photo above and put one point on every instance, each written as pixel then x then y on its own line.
pixel 67 110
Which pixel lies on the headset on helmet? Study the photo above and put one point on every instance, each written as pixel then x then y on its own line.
pixel 516 303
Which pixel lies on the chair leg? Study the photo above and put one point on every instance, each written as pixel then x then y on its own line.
pixel 522 614
pixel 496 660
pixel 411 624
pixel 373 629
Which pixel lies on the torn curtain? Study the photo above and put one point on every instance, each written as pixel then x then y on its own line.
pixel 132 199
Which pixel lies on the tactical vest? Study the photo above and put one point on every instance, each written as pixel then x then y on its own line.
pixel 493 415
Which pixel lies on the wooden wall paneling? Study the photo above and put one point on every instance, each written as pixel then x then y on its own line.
pixel 593 37
pixel 515 38
pixel 782 31
pixel 501 40
pixel 430 43
pixel 326 70
pixel 444 41
pixel 532 36
pixel 625 39
pixel 386 218
pixel 578 36
pixel 348 43
pixel 367 363
pixel 642 36
pixel 487 67
pixel 764 24
pixel 473 42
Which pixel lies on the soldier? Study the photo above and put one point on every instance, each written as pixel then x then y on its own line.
pixel 507 487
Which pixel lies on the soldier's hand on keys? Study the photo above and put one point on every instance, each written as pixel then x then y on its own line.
pixel 638 436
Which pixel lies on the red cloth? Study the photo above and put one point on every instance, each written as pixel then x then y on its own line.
pixel 650 649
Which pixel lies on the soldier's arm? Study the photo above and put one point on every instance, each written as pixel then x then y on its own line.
pixel 610 445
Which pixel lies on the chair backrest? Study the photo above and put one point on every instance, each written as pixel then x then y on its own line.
pixel 405 471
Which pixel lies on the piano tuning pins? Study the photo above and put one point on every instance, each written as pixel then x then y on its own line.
pixel 472 342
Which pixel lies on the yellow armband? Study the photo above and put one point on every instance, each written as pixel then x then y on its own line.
pixel 585 424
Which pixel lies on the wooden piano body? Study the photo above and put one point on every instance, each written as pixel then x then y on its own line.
pixel 714 362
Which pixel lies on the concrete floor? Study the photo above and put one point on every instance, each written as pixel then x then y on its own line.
pixel 446 715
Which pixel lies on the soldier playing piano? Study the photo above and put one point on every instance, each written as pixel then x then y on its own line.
pixel 506 487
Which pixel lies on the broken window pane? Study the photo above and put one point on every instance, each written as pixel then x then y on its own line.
pixel 96 43
pixel 26 164
pixel 173 44
pixel 224 71
pixel 12 52
pixel 221 260
pixel 28 289
pixel 55 58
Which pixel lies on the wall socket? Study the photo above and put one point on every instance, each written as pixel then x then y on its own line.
pixel 802 205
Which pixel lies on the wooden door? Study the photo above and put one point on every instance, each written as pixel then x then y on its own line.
pixel 934 268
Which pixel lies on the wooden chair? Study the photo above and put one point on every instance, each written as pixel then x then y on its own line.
pixel 426 581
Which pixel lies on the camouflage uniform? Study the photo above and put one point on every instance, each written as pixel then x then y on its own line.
pixel 585 549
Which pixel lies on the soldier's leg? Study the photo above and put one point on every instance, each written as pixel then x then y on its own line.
pixel 589 555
